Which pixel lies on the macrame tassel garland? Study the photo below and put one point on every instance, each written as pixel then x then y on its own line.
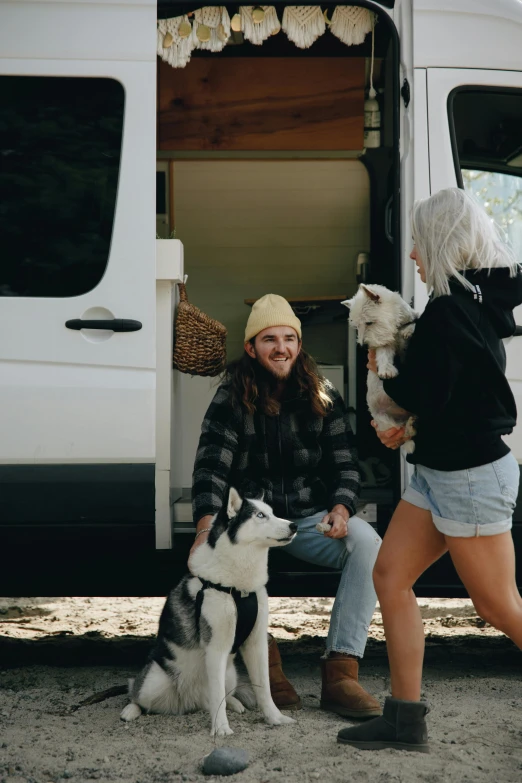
pixel 351 24
pixel 175 44
pixel 211 28
pixel 258 31
pixel 303 24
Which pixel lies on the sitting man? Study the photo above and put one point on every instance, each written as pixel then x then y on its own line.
pixel 275 425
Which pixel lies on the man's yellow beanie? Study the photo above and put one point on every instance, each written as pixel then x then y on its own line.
pixel 271 310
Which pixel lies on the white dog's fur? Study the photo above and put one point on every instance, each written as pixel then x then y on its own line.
pixel 191 666
pixel 384 322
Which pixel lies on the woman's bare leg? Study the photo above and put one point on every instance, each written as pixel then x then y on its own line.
pixel 486 565
pixel 411 544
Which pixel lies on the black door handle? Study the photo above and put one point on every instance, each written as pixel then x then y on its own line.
pixel 112 325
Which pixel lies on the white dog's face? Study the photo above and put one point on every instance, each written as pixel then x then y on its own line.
pixel 376 313
pixel 252 521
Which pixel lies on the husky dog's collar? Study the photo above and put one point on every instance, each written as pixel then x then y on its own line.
pixel 246 606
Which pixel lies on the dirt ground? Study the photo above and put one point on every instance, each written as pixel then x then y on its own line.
pixel 57 653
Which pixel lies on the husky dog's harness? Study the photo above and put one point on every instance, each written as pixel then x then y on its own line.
pixel 246 607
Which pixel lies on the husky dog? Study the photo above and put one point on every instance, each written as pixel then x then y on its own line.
pixel 208 616
pixel 384 322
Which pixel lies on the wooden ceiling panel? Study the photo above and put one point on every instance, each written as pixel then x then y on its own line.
pixel 229 104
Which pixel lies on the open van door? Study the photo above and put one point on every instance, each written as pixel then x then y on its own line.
pixel 77 278
pixel 474 121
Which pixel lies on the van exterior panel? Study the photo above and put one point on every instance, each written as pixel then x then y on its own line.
pixel 77 495
pixel 467 34
pixel 79 30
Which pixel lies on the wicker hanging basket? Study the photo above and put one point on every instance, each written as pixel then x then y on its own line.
pixel 200 341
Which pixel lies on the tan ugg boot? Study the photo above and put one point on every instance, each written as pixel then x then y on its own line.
pixel 341 692
pixel 283 692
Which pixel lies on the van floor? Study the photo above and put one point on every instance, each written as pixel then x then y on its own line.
pixel 56 653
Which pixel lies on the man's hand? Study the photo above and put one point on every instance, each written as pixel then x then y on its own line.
pixel 392 438
pixel 203 523
pixel 337 519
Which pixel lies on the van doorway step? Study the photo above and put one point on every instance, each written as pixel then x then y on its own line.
pixel 182 509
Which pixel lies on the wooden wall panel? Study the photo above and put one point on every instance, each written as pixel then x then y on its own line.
pixel 228 104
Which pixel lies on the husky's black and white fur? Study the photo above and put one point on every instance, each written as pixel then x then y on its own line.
pixel 385 322
pixel 191 666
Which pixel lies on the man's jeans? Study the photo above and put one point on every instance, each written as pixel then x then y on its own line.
pixel 355 555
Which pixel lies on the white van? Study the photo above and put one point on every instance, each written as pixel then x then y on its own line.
pixel 256 157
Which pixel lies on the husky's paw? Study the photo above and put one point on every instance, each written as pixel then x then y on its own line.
pixel 235 705
pixel 278 719
pixel 221 731
pixel 130 712
pixel 389 372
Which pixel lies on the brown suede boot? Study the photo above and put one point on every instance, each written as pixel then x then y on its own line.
pixel 282 691
pixel 341 692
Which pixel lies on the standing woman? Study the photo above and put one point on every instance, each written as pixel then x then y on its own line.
pixel 465 482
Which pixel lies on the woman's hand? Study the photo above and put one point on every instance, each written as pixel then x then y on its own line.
pixel 372 360
pixel 392 438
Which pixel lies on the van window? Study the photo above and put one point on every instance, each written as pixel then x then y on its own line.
pixel 487 147
pixel 60 149
pixel 501 197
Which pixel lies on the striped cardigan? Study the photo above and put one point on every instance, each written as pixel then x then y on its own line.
pixel 304 463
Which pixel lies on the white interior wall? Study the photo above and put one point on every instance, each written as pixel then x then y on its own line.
pixel 254 227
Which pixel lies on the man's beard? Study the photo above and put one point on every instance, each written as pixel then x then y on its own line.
pixel 271 379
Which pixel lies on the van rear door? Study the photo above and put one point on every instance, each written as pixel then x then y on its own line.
pixel 77 277
pixel 474 120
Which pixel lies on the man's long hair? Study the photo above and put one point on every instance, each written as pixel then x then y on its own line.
pixel 252 386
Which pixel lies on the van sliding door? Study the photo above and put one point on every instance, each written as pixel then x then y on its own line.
pixel 77 278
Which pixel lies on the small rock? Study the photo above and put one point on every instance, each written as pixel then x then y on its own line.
pixel 225 761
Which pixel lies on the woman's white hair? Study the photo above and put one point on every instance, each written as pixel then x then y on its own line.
pixel 453 233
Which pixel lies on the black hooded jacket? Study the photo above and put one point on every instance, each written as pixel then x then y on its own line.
pixel 453 375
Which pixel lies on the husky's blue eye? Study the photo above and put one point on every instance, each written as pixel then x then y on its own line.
pixel 260 515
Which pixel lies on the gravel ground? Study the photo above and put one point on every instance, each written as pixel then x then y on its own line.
pixel 57 653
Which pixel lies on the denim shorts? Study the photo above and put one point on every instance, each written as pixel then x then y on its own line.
pixel 474 502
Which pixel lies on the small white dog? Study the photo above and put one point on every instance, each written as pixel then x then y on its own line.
pixel 209 616
pixel 384 322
